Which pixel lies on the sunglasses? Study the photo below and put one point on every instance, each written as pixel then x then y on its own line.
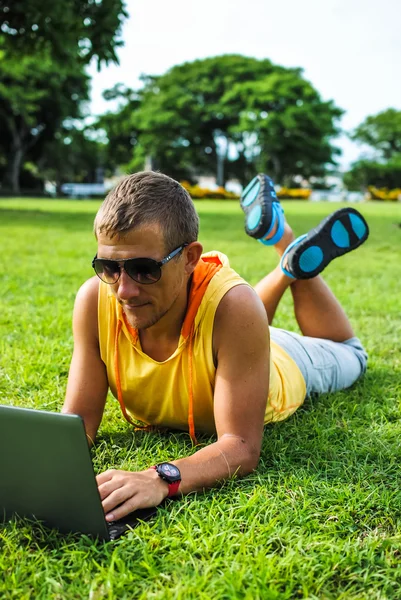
pixel 141 270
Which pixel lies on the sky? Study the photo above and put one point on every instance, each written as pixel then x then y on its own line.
pixel 350 50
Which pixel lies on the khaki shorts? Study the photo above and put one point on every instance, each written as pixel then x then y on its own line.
pixel 325 365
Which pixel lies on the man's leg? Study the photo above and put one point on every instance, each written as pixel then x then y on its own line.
pixel 328 355
pixel 317 310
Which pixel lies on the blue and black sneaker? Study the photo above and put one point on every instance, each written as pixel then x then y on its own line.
pixel 337 234
pixel 263 211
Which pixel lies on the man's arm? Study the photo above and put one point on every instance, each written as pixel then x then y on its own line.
pixel 241 346
pixel 242 349
pixel 87 381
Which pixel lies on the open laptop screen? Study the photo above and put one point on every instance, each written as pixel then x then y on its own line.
pixel 46 471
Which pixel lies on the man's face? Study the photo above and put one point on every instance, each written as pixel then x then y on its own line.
pixel 144 304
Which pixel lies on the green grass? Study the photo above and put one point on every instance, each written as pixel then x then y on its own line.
pixel 321 516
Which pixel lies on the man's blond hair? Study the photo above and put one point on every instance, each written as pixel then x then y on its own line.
pixel 148 198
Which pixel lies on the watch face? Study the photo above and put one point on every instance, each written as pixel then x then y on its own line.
pixel 169 472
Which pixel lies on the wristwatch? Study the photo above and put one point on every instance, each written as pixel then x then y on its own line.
pixel 171 474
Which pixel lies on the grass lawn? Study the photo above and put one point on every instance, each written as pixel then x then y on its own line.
pixel 319 518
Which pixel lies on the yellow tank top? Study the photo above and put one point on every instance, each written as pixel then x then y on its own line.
pixel 180 389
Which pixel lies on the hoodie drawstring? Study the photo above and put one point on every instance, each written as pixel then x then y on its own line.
pixel 191 422
pixel 117 375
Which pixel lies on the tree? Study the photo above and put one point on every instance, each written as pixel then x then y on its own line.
pixel 382 132
pixel 235 112
pixel 183 124
pixel 44 48
pixel 118 130
pixel 291 123
pixel 67 30
pixel 71 156
pixel 35 98
pixel 379 174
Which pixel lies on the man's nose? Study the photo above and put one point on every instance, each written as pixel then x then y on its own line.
pixel 127 287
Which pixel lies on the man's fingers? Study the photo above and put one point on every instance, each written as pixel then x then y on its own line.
pixel 122 510
pixel 107 488
pixel 116 497
pixel 105 476
pixel 122 492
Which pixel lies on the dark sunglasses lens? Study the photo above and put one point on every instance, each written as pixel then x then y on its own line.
pixel 143 270
pixel 107 270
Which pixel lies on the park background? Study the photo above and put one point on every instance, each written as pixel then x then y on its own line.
pixel 308 93
pixel 321 516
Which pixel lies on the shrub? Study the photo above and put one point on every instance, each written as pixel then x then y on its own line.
pixel 198 193
pixel 384 194
pixel 294 193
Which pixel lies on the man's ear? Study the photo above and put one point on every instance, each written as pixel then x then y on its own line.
pixel 192 254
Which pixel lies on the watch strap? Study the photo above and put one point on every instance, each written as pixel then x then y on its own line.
pixel 172 487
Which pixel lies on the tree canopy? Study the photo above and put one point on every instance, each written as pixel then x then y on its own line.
pixel 370 172
pixel 44 47
pixel 382 132
pixel 235 112
pixel 292 124
pixel 35 98
pixel 228 115
pixel 120 129
pixel 67 30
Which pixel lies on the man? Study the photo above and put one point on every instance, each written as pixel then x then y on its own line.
pixel 183 342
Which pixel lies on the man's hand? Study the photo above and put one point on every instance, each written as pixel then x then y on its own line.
pixel 129 491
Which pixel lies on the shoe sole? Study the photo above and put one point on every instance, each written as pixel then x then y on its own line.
pixel 336 235
pixel 257 206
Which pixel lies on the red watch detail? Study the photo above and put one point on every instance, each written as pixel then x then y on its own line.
pixel 173 488
pixel 173 480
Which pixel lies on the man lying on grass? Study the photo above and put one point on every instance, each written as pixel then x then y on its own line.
pixel 184 342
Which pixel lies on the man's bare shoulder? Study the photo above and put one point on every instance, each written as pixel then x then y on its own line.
pixel 85 318
pixel 88 292
pixel 240 310
pixel 241 300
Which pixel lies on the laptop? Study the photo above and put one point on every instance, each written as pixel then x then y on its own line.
pixel 46 473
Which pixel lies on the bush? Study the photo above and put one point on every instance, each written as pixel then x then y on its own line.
pixel 384 194
pixel 198 193
pixel 294 194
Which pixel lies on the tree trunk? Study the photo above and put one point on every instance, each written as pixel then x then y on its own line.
pixel 15 168
pixel 16 155
pixel 220 171
pixel 276 167
pixel 20 144
pixel 221 161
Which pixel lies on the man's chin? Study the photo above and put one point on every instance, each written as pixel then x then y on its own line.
pixel 139 322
